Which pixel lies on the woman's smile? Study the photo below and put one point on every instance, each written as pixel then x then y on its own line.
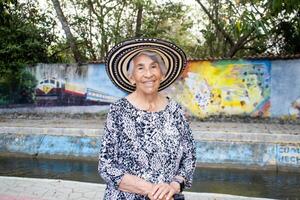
pixel 149 83
pixel 146 74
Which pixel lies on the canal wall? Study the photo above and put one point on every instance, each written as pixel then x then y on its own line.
pixel 245 147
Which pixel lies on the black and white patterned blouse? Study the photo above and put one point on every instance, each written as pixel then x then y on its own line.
pixel 155 146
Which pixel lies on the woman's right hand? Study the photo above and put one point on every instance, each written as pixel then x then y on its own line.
pixel 161 191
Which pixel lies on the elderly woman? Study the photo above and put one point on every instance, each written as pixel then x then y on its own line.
pixel 147 150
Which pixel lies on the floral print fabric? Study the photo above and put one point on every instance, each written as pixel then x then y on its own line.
pixel 155 146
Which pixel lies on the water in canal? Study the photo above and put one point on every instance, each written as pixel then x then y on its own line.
pixel 268 184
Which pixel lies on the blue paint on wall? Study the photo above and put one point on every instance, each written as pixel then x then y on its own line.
pixel 98 80
pixel 208 152
pixel 50 145
pixel 285 86
pixel 70 146
pixel 215 152
pixel 27 144
pixel 288 155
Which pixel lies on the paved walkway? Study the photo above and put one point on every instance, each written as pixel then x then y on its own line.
pixel 14 188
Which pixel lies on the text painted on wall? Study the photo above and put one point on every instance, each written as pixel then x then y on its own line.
pixel 288 154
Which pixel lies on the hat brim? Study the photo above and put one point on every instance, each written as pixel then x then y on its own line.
pixel 119 57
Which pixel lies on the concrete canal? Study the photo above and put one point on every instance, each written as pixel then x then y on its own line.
pixel 271 151
pixel 267 184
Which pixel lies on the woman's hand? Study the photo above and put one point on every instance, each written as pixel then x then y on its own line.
pixel 162 191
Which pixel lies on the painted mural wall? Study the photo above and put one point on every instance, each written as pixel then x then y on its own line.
pixel 65 85
pixel 238 87
pixel 228 87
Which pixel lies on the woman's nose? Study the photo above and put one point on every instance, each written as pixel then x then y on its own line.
pixel 148 73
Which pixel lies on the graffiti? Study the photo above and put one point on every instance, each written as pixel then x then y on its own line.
pixel 225 87
pixel 288 155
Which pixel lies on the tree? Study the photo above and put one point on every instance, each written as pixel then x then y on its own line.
pixel 246 27
pixel 287 24
pixel 22 43
pixel 234 28
pixel 99 24
pixel 139 17
pixel 70 38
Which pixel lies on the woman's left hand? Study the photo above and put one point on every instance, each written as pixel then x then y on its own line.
pixel 163 191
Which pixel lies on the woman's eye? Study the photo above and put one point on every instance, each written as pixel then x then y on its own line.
pixel 154 66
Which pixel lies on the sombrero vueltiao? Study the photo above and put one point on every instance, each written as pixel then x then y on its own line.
pixel 118 59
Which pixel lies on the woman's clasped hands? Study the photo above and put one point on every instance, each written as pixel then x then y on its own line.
pixel 163 191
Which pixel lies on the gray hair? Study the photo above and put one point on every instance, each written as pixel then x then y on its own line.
pixel 153 56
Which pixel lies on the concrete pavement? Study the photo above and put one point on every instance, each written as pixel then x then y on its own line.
pixel 15 188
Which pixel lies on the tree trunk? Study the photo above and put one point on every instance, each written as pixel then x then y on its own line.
pixel 67 30
pixel 242 41
pixel 217 25
pixel 234 46
pixel 139 21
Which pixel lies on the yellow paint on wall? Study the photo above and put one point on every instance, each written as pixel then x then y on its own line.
pixel 75 87
pixel 210 89
pixel 47 88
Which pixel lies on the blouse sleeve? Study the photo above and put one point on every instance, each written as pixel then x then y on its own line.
pixel 188 161
pixel 108 168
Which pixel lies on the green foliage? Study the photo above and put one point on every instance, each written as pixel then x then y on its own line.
pixel 98 25
pixel 24 40
pixel 286 25
pixel 249 27
pixel 283 6
pixel 289 32
pixel 234 28
pixel 17 88
pixel 169 21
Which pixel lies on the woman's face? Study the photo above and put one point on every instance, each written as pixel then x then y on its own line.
pixel 146 74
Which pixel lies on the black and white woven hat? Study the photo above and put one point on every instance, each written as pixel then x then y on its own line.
pixel 118 59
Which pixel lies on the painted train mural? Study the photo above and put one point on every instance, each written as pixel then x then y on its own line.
pixel 51 92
